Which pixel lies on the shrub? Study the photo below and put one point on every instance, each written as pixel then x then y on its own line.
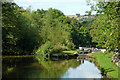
pixel 48 48
pixel 45 49
pixel 58 48
pixel 70 45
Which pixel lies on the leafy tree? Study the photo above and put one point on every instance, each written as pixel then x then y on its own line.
pixel 106 30
pixel 79 34
pixel 10 28
pixel 41 31
pixel 52 30
pixel 21 33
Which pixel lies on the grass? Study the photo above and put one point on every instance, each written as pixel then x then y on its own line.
pixel 68 52
pixel 105 62
pixel 101 49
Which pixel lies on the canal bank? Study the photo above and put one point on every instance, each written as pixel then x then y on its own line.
pixel 39 65
pixel 104 62
pixel 42 67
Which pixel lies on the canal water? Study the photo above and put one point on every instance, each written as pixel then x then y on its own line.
pixel 39 67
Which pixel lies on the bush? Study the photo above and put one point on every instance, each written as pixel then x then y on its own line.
pixel 58 48
pixel 48 48
pixel 70 45
pixel 45 49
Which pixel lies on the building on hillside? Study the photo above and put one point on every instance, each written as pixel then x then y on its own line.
pixel 82 17
pixel 78 15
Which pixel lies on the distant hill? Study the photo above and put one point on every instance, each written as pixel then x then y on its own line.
pixel 82 17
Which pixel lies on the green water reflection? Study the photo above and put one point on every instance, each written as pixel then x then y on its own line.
pixel 39 67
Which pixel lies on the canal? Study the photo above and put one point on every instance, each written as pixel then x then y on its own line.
pixel 40 67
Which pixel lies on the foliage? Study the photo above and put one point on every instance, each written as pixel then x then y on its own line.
pixel 79 34
pixel 105 29
pixel 53 31
pixel 70 45
pixel 44 49
pixel 68 51
pixel 41 31
pixel 11 28
pixel 20 33
pixel 58 49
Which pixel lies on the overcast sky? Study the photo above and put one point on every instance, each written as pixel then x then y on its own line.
pixel 68 7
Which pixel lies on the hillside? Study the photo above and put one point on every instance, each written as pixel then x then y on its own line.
pixel 82 17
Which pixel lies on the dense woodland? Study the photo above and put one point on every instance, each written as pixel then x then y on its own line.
pixel 50 31
pixel 40 32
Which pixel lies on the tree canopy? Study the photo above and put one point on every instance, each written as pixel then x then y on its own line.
pixel 105 29
pixel 40 31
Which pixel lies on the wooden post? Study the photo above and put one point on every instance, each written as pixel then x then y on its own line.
pixel 83 51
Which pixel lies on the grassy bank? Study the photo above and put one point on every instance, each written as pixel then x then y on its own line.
pixel 68 52
pixel 105 62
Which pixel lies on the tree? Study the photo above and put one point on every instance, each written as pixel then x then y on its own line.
pixel 79 34
pixel 106 29
pixel 21 30
pixel 54 33
pixel 28 32
pixel 10 28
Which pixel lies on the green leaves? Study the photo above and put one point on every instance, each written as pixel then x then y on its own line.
pixel 11 32
pixel 105 29
pixel 27 32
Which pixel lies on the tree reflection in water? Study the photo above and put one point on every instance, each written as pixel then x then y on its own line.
pixel 41 67
pixel 36 67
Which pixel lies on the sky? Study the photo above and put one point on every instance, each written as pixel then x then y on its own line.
pixel 68 7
